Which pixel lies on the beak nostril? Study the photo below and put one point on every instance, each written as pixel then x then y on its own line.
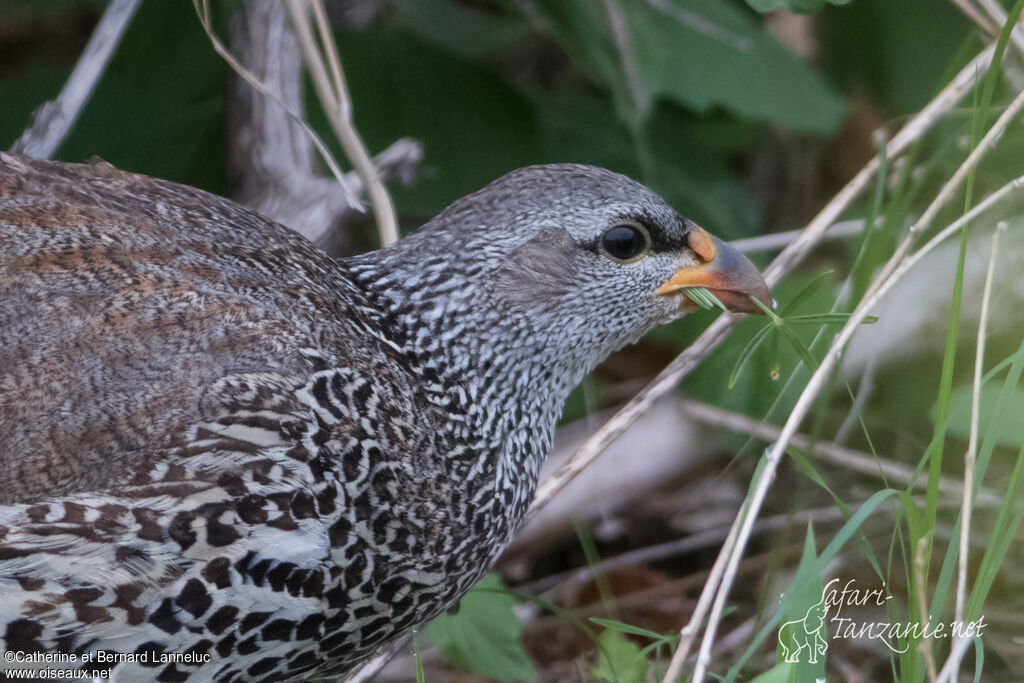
pixel 701 244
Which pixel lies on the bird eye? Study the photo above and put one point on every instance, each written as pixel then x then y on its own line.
pixel 625 242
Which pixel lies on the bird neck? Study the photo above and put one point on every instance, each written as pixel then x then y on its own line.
pixel 505 376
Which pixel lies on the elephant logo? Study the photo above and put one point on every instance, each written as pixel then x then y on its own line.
pixel 807 633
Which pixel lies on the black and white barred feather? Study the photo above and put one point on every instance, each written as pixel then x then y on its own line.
pixel 222 447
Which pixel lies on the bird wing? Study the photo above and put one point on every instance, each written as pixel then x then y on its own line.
pixel 123 299
pixel 241 525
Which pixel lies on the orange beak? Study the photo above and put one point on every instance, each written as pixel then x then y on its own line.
pixel 727 273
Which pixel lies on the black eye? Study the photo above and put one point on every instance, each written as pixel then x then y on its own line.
pixel 625 242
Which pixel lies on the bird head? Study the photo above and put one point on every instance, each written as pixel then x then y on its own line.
pixel 573 259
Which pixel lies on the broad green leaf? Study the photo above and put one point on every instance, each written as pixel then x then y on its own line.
pixel 808 290
pixel 473 125
pixel 620 660
pixel 676 46
pixel 22 93
pixel 805 591
pixel 159 109
pixel 1009 430
pixel 780 673
pixel 795 6
pixel 484 634
pixel 462 28
pixel 899 53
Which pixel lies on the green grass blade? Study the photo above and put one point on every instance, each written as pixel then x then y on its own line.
pixel 827 319
pixel 806 292
pixel 799 347
pixel 1004 530
pixel 704 298
pixel 827 555
pixel 420 676
pixel 747 352
pixel 622 627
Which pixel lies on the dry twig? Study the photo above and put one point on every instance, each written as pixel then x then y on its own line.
pixel 271 155
pixel 834 453
pixel 925 646
pixel 894 270
pixel 202 8
pixel 970 459
pixel 668 378
pixel 974 14
pixel 780 240
pixel 948 191
pixel 806 400
pixel 998 16
pixel 333 94
pixel 52 122
pixel 623 45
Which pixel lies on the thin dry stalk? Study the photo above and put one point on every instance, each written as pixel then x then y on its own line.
pixel 950 189
pixel 333 93
pixel 704 539
pixel 972 13
pixel 838 455
pixel 780 240
pixel 202 8
pixel 950 670
pixel 998 16
pixel 707 538
pixel 52 122
pixel 623 45
pixel 925 647
pixel 668 378
pixel 809 396
pixel 911 132
pixel 970 459
pixel 689 632
pixel 272 158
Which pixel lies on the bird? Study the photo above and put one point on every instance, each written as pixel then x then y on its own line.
pixel 228 456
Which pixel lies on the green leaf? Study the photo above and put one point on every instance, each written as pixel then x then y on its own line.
pixel 805 292
pixel 827 319
pixel 420 676
pixel 620 660
pixel 484 634
pixel 629 628
pixel 799 347
pixel 1008 430
pixel 804 610
pixel 676 46
pixel 748 352
pixel 780 673
pixel 473 125
pixel 794 6
pixel 159 109
pixel 704 298
pixel 801 580
pixel 897 53
pixel 463 29
pixel 807 469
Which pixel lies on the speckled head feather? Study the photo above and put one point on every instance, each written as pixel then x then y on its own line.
pixel 219 441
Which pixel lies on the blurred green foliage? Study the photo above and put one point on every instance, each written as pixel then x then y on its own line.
pixel 688 96
pixel 484 634
pixel 488 87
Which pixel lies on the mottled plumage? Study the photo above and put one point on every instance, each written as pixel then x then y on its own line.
pixel 216 440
